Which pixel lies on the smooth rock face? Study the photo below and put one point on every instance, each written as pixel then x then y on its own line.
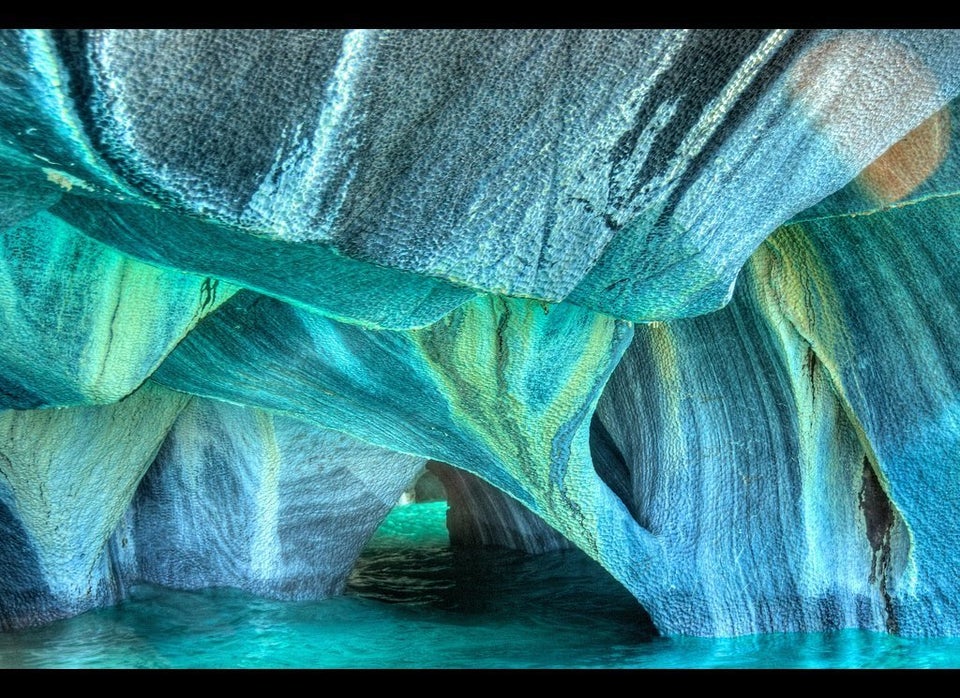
pixel 239 497
pixel 67 477
pixel 750 474
pixel 309 276
pixel 50 162
pixel 235 497
pixel 892 367
pixel 436 243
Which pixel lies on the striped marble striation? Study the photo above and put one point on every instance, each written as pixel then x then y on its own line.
pixel 468 390
pixel 86 324
pixel 632 172
pixel 233 496
pixel 251 281
pixel 66 478
pixel 244 498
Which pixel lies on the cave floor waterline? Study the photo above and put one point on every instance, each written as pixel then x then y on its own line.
pixel 415 602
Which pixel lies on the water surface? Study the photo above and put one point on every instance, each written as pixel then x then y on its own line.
pixel 413 602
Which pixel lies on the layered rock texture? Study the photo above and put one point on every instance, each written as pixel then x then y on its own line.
pixel 683 299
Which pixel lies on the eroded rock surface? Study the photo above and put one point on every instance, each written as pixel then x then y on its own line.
pixel 252 280
pixel 244 498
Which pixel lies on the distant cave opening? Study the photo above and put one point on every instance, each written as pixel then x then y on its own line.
pixel 457 545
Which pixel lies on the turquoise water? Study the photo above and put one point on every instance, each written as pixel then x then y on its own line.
pixel 413 602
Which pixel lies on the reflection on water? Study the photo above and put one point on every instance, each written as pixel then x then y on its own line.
pixel 414 602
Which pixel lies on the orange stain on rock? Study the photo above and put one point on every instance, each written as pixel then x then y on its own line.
pixel 909 161
pixel 863 91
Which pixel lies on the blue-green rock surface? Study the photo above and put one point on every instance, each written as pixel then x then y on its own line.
pixel 684 299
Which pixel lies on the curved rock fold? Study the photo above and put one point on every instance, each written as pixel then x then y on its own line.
pixel 683 299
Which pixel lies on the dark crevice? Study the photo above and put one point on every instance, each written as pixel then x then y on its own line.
pixel 611 466
pixel 879 516
pixel 116 581
pixel 810 364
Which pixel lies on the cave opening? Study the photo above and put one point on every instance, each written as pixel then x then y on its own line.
pixel 458 548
